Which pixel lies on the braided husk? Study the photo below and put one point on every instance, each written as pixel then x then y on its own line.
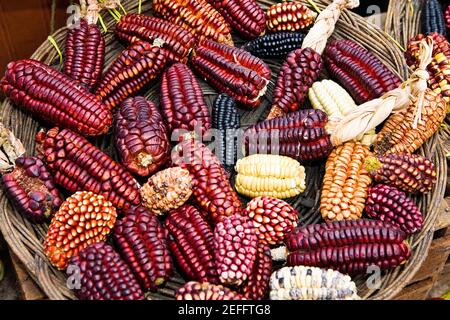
pixel 25 239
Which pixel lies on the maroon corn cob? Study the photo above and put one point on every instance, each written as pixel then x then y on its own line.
pixel 359 71
pixel 348 246
pixel 136 27
pixel 212 191
pixel 191 242
pixel 300 135
pixel 77 165
pixel 54 98
pixel 32 190
pixel 389 204
pixel 236 246
pixel 141 136
pixel 182 102
pixel 257 285
pixel 232 71
pixel 104 275
pixel 141 241
pixel 206 291
pixel 300 70
pixel 84 54
pixel 244 16
pixel 134 68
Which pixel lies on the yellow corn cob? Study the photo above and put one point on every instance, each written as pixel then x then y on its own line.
pixel 346 182
pixel 330 97
pixel 311 283
pixel 269 175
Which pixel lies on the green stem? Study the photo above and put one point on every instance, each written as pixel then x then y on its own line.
pixel 122 8
pixel 53 42
pixel 314 5
pixel 140 7
pixel 105 29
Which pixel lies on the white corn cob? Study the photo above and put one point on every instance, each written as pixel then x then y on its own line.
pixel 311 283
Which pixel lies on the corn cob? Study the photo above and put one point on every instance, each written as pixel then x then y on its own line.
pixel 257 285
pixel 32 190
pixel 275 45
pixel 300 70
pixel 197 16
pixel 289 16
pixel 349 246
pixel 134 68
pixel 398 134
pixel 272 218
pixel 212 190
pixel 236 246
pixel 359 71
pixel 244 16
pixel 77 165
pixel 232 71
pixel 227 121
pixel 84 54
pixel 311 283
pixel 191 242
pixel 182 102
pixel 167 190
pixel 206 291
pixel 408 172
pixel 104 275
pixel 83 219
pixel 447 19
pixel 54 98
pixel 432 17
pixel 300 135
pixel 345 183
pixel 328 96
pixel 391 205
pixel 141 241
pixel 136 27
pixel 140 136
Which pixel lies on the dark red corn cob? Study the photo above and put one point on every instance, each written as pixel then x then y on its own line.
pixel 182 102
pixel 408 172
pixel 134 68
pixel 257 285
pixel 236 246
pixel 389 204
pixel 300 70
pixel 447 19
pixel 244 16
pixel 206 291
pixel 232 71
pixel 348 246
pixel 359 70
pixel 77 165
pixel 103 275
pixel 300 135
pixel 55 98
pixel 141 241
pixel 84 54
pixel 136 27
pixel 32 190
pixel 212 191
pixel 191 242
pixel 141 136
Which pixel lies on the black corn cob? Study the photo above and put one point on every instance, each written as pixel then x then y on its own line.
pixel 227 121
pixel 275 45
pixel 433 17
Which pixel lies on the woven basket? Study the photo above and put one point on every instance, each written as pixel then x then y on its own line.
pixel 25 239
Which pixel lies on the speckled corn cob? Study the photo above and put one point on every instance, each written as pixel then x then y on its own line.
pixel 345 183
pixel 137 27
pixel 197 16
pixel 77 165
pixel 84 53
pixel 257 285
pixel 432 18
pixel 408 172
pixel 269 175
pixel 275 45
pixel 289 16
pixel 310 283
pixel 83 219
pixel 206 291
pixel 134 68
pixel 54 98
